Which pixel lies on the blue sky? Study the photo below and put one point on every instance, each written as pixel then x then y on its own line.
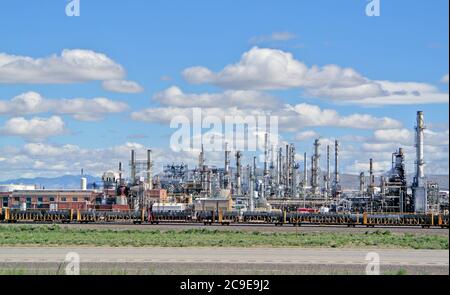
pixel 155 41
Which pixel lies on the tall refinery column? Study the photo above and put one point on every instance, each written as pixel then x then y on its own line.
pixel 336 186
pixel 226 180
pixel 252 188
pixel 149 170
pixel 420 181
pixel 371 178
pixel 238 173
pixel 279 167
pixel 293 172
pixel 133 167
pixel 328 175
pixel 305 170
pixel 315 171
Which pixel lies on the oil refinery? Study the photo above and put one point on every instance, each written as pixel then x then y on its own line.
pixel 282 191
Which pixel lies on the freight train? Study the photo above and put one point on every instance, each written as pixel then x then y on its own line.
pixel 277 218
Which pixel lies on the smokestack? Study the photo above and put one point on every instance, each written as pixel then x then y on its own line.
pixel 420 182
pixel 287 167
pixel 238 173
pixel 293 173
pixel 305 170
pixel 120 173
pixel 315 171
pixel 133 167
pixel 227 182
pixel 252 187
pixel 280 166
pixel 266 154
pixel 372 176
pixel 336 167
pixel 149 170
pixel 420 130
pixel 328 176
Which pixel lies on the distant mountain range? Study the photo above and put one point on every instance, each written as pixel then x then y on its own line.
pixel 61 182
pixel 73 181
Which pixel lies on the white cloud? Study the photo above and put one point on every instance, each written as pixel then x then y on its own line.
pixel 72 66
pixel 264 69
pixel 80 108
pixel 403 136
pixel 305 135
pixel 403 93
pixel 445 79
pixel 122 86
pixel 306 115
pixel 175 97
pixel 407 137
pixel 47 160
pixel 268 69
pixel 35 129
pixel 291 118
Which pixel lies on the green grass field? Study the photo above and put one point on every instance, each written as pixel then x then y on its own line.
pixel 54 235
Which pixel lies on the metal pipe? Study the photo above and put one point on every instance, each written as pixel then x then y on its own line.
pixel 227 182
pixel 305 170
pixel 420 129
pixel 133 167
pixel 120 173
pixel 336 167
pixel 238 173
pixel 149 170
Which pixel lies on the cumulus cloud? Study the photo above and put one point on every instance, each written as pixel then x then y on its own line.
pixel 264 69
pixel 80 108
pixel 35 129
pixel 49 160
pixel 268 69
pixel 306 115
pixel 290 117
pixel 445 79
pixel 71 66
pixel 305 135
pixel 175 97
pixel 407 137
pixel 122 86
pixel 403 93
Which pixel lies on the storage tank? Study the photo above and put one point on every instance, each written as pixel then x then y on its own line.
pixel 83 183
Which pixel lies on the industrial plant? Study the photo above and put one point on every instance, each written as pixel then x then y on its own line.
pixel 284 190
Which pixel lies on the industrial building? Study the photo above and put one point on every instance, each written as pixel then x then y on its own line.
pixel 282 183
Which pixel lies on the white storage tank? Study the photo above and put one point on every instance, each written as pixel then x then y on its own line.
pixel 83 183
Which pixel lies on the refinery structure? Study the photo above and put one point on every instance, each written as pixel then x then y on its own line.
pixel 241 186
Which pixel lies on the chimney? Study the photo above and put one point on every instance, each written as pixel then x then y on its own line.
pixel 149 170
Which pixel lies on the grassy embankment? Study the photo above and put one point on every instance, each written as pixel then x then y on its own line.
pixel 54 235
